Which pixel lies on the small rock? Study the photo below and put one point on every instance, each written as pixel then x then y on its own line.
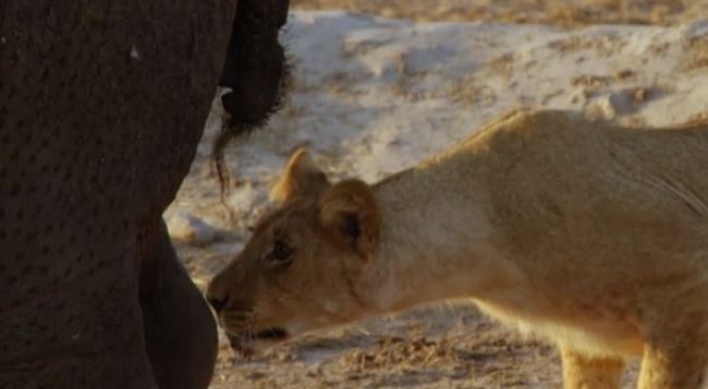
pixel 601 109
pixel 190 229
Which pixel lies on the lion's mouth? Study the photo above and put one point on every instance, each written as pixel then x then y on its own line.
pixel 243 343
pixel 274 334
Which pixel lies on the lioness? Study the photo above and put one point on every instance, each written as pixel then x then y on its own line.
pixel 592 235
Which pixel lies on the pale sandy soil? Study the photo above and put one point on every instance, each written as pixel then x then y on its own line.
pixel 557 12
pixel 371 96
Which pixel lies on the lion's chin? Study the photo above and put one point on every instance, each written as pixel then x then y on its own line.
pixel 248 345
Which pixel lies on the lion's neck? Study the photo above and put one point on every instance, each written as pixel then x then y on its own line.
pixel 435 241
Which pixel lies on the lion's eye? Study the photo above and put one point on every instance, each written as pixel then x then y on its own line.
pixel 281 254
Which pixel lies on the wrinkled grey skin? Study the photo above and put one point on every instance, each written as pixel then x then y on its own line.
pixel 102 104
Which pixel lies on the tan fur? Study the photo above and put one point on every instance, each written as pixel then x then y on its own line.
pixel 352 198
pixel 300 176
pixel 593 236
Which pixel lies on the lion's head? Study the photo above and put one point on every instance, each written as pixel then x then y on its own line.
pixel 307 264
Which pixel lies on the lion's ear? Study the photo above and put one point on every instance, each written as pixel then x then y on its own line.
pixel 350 209
pixel 301 176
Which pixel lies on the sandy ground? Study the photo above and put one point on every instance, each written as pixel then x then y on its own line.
pixel 557 12
pixel 372 95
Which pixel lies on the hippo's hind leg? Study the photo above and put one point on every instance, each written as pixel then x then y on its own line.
pixel 180 332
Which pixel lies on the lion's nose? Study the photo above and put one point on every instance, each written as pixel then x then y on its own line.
pixel 216 294
pixel 217 303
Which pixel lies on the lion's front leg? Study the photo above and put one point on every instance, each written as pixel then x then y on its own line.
pixel 584 372
pixel 676 346
pixel 680 367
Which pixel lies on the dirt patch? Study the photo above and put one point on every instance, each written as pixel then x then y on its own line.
pixel 458 349
pixel 697 57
